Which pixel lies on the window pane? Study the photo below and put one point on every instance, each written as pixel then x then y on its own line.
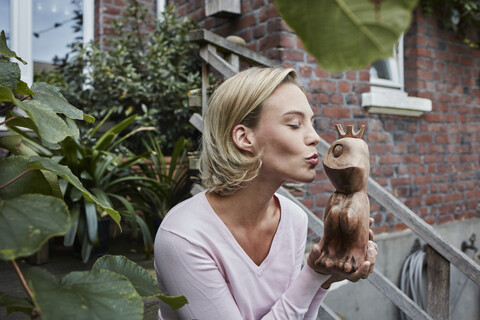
pixel 381 69
pixel 5 17
pixel 56 24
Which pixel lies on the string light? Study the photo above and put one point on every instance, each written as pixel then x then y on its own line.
pixel 56 25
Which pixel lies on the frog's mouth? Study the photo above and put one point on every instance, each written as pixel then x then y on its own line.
pixel 347 180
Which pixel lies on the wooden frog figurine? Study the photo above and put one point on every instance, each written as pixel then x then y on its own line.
pixel 347 214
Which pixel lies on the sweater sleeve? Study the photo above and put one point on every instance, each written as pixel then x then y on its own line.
pixel 186 269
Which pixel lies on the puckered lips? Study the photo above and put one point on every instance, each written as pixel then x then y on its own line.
pixel 313 159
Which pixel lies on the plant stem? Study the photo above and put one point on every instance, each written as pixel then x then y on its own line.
pixel 7 108
pixel 16 178
pixel 2 123
pixel 22 279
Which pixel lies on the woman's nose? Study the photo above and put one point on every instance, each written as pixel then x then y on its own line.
pixel 313 137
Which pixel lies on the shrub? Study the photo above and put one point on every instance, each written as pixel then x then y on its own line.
pixel 144 73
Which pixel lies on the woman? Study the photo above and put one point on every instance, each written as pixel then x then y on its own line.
pixel 236 250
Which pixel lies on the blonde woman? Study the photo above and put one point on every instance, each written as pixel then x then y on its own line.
pixel 235 251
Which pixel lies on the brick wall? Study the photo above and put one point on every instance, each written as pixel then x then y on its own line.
pixel 431 163
pixel 108 10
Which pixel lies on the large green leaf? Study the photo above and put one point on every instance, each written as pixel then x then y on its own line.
pixel 51 97
pixel 9 74
pixel 51 127
pixel 347 34
pixel 92 221
pixel 66 173
pixel 31 182
pixel 15 145
pixel 5 51
pixel 70 236
pixel 143 282
pixel 96 294
pixel 23 88
pixel 28 221
pixel 6 94
pixel 13 304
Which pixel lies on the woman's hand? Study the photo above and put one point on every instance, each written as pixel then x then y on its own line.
pixel 363 271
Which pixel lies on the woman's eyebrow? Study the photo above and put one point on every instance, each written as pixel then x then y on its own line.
pixel 298 113
pixel 294 112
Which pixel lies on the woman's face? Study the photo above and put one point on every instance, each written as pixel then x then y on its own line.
pixel 286 135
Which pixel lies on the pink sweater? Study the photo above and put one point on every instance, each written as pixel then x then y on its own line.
pixel 197 256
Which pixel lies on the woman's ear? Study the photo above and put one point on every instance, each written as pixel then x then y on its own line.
pixel 243 137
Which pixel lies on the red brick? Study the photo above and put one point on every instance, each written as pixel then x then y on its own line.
pixel 319 188
pixel 336 99
pixel 267 12
pixel 380 229
pixel 321 98
pixel 422 180
pixel 344 86
pixel 322 85
pixel 444 219
pixel 305 71
pixel 336 112
pixel 389 159
pixel 399 227
pixel 411 158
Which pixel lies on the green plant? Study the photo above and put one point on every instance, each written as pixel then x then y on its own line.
pixel 460 16
pixel 104 170
pixel 147 69
pixel 169 184
pixel 32 209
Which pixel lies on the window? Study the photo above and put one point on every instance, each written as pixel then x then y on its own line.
pixel 387 94
pixel 39 30
pixel 389 72
pixel 56 24
pixel 5 17
pixel 161 4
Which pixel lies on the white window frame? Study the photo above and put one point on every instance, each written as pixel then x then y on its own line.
pixel 21 32
pixel 161 4
pixel 396 66
pixel 389 96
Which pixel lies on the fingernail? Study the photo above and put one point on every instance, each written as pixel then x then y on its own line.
pixel 371 252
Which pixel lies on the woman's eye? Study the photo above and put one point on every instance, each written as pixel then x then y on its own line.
pixel 294 125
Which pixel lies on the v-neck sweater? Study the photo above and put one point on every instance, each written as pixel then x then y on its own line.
pixel 197 256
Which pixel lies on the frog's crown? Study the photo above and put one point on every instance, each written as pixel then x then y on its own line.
pixel 350 133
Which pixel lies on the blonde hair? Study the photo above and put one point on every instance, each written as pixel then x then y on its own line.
pixel 239 100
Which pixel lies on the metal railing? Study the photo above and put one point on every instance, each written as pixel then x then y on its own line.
pixel 225 57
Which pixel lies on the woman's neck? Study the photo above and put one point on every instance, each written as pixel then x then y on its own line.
pixel 248 206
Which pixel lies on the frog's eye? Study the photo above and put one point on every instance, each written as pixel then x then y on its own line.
pixel 337 150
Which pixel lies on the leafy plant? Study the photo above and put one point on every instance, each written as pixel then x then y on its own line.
pixel 346 35
pixel 105 174
pixel 460 16
pixel 169 184
pixel 139 72
pixel 32 209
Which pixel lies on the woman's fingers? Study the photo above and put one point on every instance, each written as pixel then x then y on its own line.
pixel 372 252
